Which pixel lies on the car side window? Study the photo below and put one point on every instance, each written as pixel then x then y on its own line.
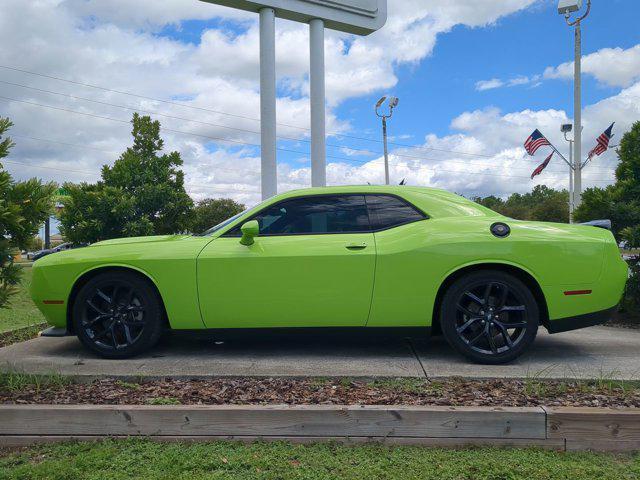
pixel 322 214
pixel 387 211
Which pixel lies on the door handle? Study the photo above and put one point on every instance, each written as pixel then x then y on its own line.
pixel 357 246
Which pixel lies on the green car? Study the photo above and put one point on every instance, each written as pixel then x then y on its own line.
pixel 371 257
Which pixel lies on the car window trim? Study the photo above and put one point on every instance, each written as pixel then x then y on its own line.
pixel 350 194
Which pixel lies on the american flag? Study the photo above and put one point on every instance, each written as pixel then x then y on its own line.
pixel 535 141
pixel 542 166
pixel 602 142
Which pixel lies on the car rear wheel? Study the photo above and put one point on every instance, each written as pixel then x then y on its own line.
pixel 489 317
pixel 118 315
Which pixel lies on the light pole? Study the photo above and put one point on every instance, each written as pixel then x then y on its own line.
pixel 392 102
pixel 566 8
pixel 566 128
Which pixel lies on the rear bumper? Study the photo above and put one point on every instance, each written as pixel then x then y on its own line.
pixel 580 321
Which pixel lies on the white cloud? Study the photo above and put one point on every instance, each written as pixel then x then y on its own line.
pixel 483 85
pixel 494 83
pixel 116 44
pixel 614 67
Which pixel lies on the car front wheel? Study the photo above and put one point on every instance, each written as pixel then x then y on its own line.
pixel 118 315
pixel 490 317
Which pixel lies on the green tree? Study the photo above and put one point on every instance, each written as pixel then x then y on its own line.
pixel 141 194
pixel 97 212
pixel 628 171
pixel 542 204
pixel 619 202
pixel 211 211
pixel 604 203
pixel 24 206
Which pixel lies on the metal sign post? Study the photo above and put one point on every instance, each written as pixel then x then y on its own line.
pixel 360 17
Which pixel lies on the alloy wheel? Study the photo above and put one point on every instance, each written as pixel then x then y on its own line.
pixel 491 319
pixel 114 316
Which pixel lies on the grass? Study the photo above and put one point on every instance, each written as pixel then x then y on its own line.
pixel 145 460
pixel 16 382
pixel 21 311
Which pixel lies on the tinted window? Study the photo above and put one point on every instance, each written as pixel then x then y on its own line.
pixel 387 212
pixel 314 215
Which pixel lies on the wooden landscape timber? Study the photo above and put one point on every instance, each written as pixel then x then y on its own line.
pixel 555 428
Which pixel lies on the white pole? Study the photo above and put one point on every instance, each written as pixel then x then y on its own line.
pixel 577 112
pixel 570 181
pixel 317 100
pixel 386 151
pixel 268 102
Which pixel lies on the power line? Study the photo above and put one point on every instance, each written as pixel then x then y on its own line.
pixel 411 167
pixel 84 172
pixel 75 145
pixel 13 135
pixel 401 155
pixel 150 112
pixel 222 139
pixel 209 187
pixel 168 102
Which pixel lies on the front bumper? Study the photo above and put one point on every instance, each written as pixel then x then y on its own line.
pixel 55 332
pixel 580 321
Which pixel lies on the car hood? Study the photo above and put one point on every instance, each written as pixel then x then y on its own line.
pixel 150 239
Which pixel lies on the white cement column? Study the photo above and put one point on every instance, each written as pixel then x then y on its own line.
pixel 317 99
pixel 268 103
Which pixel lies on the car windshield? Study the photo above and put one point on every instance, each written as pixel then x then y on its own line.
pixel 221 225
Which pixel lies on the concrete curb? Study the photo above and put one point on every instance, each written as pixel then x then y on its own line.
pixel 555 428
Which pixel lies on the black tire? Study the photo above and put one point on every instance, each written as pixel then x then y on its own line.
pixel 118 314
pixel 490 317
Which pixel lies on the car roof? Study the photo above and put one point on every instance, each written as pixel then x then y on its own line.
pixel 362 189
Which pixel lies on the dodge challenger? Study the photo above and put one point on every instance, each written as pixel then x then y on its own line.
pixel 373 257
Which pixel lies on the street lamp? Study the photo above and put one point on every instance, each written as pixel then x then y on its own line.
pixel 392 102
pixel 566 8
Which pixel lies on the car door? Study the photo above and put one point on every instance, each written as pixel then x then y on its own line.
pixel 404 283
pixel 312 265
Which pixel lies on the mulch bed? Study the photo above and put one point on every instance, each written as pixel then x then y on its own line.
pixel 454 392
pixel 21 334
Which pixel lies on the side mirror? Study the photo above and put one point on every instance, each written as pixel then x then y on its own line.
pixel 250 230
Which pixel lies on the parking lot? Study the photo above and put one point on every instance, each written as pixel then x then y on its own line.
pixel 598 352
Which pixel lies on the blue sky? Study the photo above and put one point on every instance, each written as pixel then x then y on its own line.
pixel 443 85
pixel 439 56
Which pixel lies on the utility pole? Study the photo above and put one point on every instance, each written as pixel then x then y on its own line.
pixel 566 7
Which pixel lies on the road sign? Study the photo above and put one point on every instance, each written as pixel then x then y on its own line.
pixel 361 17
